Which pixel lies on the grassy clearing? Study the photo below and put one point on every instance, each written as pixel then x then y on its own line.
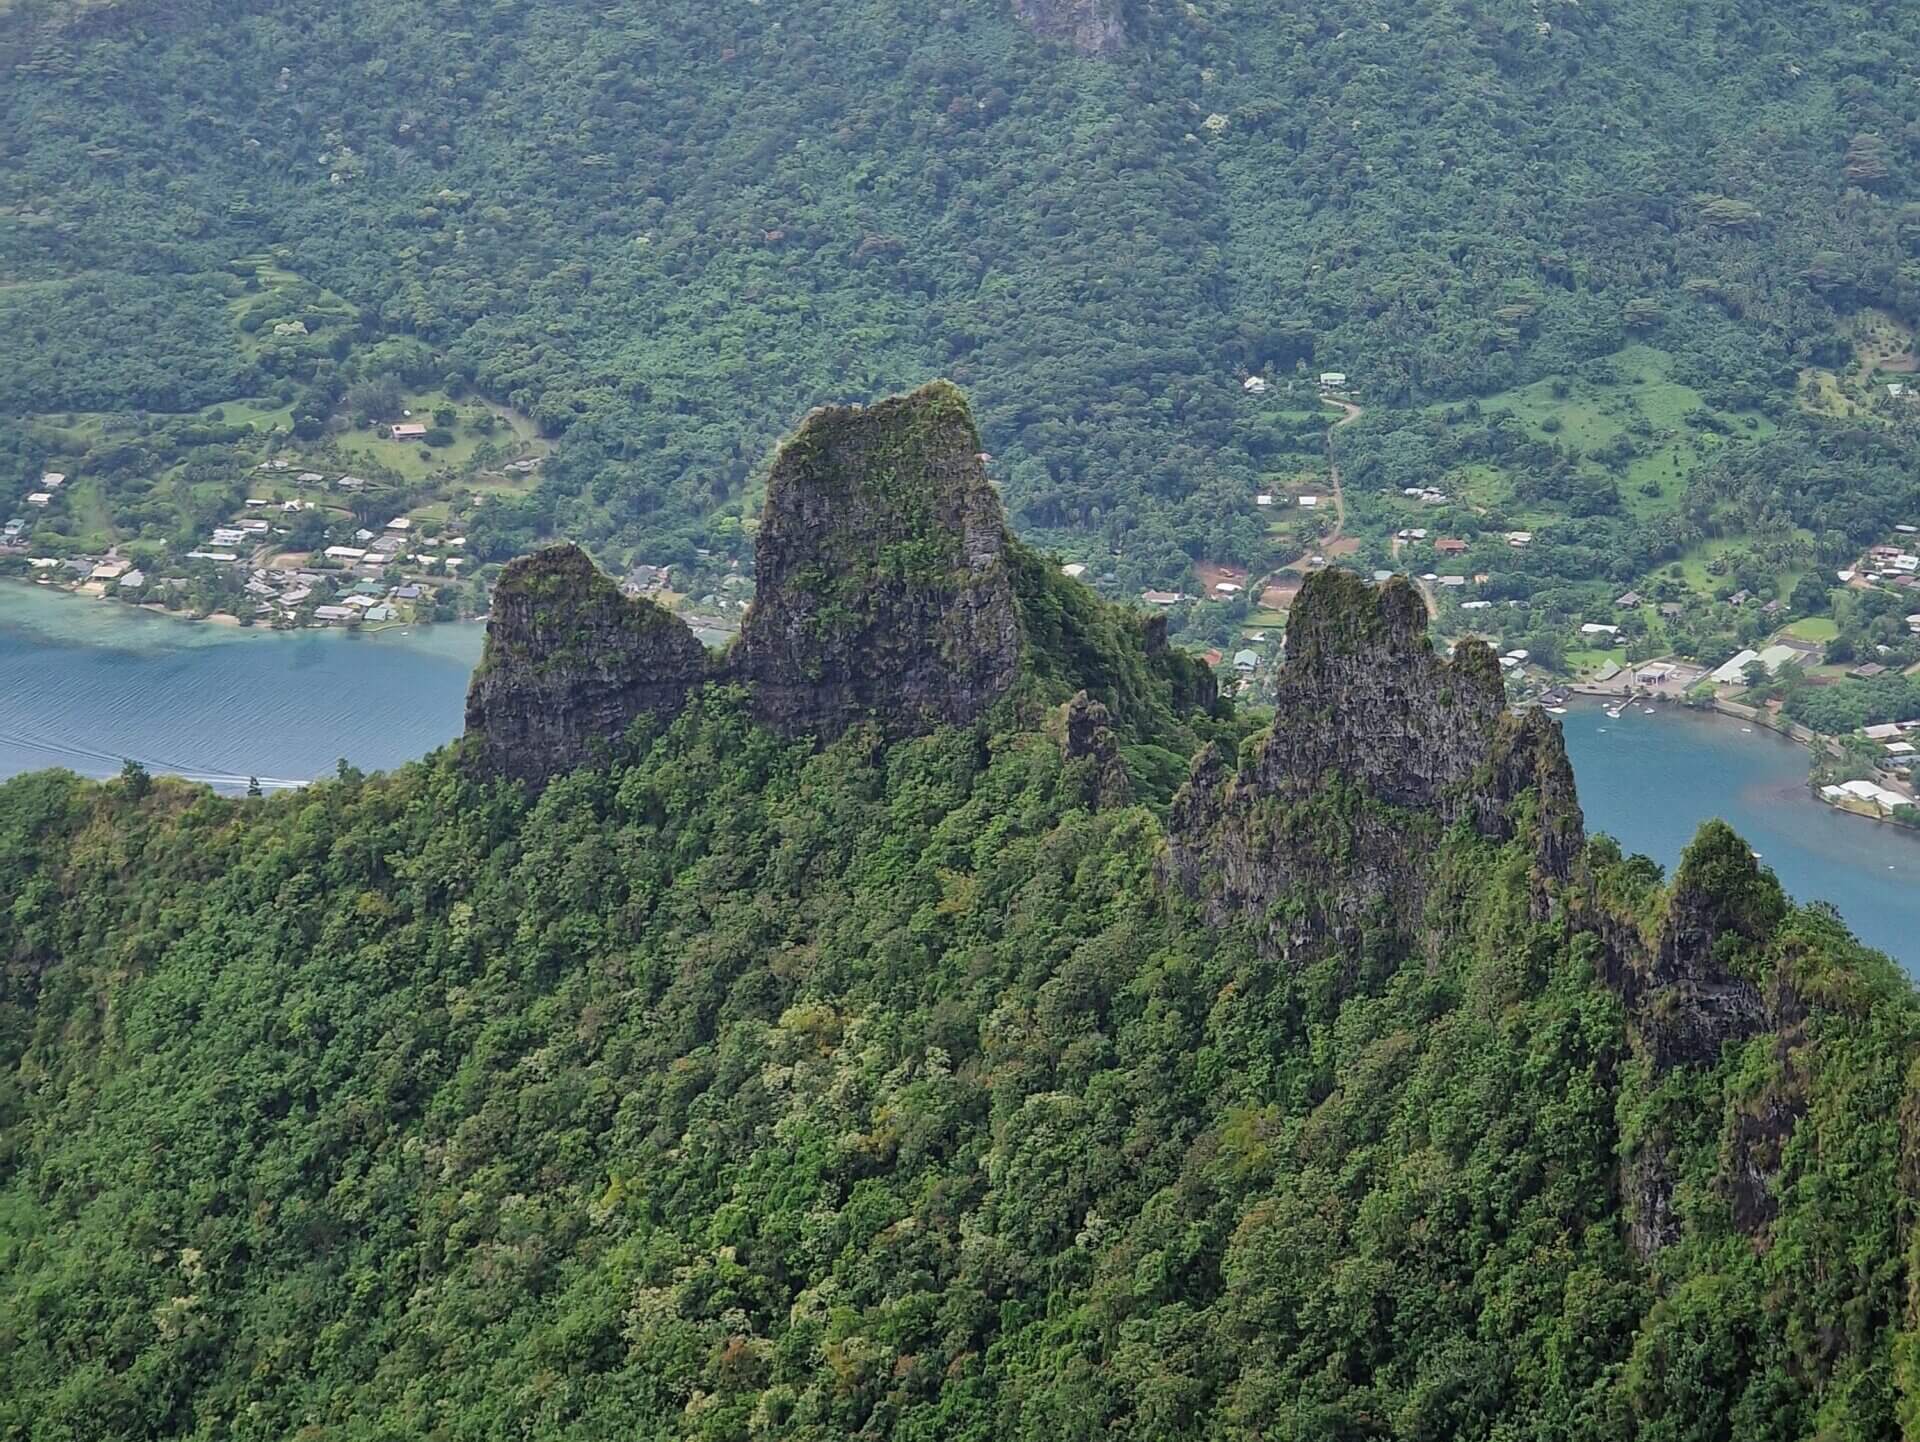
pixel 1820 629
pixel 1594 412
pixel 415 462
pixel 262 413
pixel 92 517
pixel 1820 394
pixel 1695 562
pixel 1629 397
pixel 1883 342
pixel 1585 661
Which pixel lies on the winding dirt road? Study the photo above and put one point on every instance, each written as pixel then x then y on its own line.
pixel 1333 467
pixel 1426 586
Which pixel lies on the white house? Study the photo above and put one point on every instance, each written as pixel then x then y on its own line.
pixel 1879 796
pixel 1332 380
pixel 1254 385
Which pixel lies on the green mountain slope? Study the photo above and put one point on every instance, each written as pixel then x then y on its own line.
pixel 663 231
pixel 740 1086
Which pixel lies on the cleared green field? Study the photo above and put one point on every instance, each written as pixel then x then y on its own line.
pixel 413 461
pixel 263 413
pixel 1587 660
pixel 1814 628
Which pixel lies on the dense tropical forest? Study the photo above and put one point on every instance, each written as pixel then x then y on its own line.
pixel 742 1089
pixel 736 1086
pixel 661 232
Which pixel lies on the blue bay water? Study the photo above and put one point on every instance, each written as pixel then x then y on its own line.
pixel 1649 781
pixel 85 684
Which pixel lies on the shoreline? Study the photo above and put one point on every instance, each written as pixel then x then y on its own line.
pixel 1809 740
pixel 219 620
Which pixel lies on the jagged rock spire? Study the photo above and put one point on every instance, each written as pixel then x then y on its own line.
pixel 883 594
pixel 882 584
pixel 1378 745
pixel 569 664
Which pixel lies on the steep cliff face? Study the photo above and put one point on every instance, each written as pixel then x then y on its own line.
pixel 569 664
pixel 1325 833
pixel 882 584
pixel 1694 980
pixel 1084 729
pixel 1093 27
pixel 884 594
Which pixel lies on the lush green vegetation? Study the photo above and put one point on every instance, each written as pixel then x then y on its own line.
pixel 662 235
pixel 737 1090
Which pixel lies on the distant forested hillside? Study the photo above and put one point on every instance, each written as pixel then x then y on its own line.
pixel 664 230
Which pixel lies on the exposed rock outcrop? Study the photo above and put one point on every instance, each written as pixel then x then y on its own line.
pixel 1691 984
pixel 1084 728
pixel 569 664
pixel 883 589
pixel 884 595
pixel 1093 27
pixel 1325 834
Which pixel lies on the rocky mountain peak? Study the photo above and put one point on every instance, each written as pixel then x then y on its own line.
pixel 884 594
pixel 569 663
pixel 883 590
pixel 1328 827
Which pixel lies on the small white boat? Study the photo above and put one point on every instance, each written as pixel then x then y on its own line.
pixel 1556 710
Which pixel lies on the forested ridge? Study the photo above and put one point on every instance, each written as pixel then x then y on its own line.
pixel 1111 1064
pixel 664 231
pixel 738 1087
